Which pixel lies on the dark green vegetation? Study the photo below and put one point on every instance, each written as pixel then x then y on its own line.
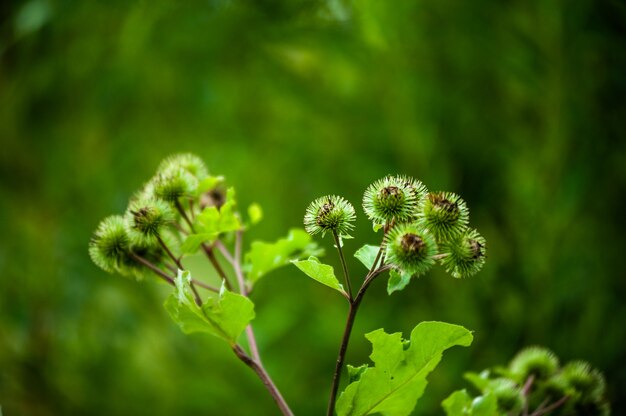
pixel 518 107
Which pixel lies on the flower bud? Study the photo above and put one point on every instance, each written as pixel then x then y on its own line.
pixel 508 394
pixel 390 198
pixel 147 217
pixel 411 249
pixel 587 382
pixel 444 214
pixel 110 244
pixel 173 184
pixel 536 361
pixel 329 213
pixel 186 161
pixel 466 254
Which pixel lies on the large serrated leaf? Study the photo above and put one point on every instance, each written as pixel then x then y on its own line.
pixel 398 379
pixel 225 315
pixel 264 257
pixel 321 272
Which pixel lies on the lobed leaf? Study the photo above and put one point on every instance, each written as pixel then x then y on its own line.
pixel 398 378
pixel 323 273
pixel 264 257
pixel 225 315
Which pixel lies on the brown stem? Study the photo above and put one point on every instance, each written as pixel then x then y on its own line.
pixel 218 268
pixel 346 276
pixel 254 349
pixel 354 307
pixel 175 259
pixel 265 378
pixel 205 286
pixel 154 268
pixel 545 410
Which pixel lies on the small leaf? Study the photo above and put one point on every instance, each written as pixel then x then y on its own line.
pixel 486 405
pixel 480 381
pixel 323 273
pixel 377 227
pixel 209 183
pixel 225 315
pixel 367 255
pixel 193 242
pixel 458 403
pixel 255 213
pixel 397 281
pixel 398 379
pixel 264 257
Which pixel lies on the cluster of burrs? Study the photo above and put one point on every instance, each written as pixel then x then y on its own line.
pixel 152 228
pixel 421 227
pixel 535 384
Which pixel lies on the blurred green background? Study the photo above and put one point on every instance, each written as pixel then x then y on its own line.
pixel 518 106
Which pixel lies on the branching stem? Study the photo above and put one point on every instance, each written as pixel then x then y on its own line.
pixel 265 378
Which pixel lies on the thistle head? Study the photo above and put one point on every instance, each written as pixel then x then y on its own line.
pixel 418 189
pixel 508 395
pixel 388 199
pixel 536 361
pixel 411 249
pixel 186 161
pixel 329 213
pixel 444 214
pixel 466 254
pixel 110 244
pixel 587 382
pixel 147 217
pixel 172 184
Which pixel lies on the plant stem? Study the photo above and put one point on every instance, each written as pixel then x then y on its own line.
pixel 254 349
pixel 545 410
pixel 175 259
pixel 354 307
pixel 343 265
pixel 154 268
pixel 265 378
pixel 216 265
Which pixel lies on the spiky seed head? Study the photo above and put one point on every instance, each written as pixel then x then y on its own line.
pixel 110 244
pixel 466 254
pixel 147 217
pixel 508 394
pixel 411 249
pixel 417 187
pixel 329 213
pixel 173 184
pixel 444 214
pixel 390 198
pixel 539 362
pixel 186 161
pixel 587 382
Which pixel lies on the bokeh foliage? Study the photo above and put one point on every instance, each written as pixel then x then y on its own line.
pixel 517 106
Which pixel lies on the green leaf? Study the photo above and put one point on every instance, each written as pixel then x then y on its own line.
pixel 458 403
pixel 209 183
pixel 323 273
pixel 225 315
pixel 264 257
pixel 255 212
pixel 486 405
pixel 397 281
pixel 212 222
pixel 367 255
pixel 193 242
pixel 480 381
pixel 398 379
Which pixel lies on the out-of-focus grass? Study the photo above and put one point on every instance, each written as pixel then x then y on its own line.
pixel 518 107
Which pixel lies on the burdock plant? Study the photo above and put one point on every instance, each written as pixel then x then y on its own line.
pixel 183 210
